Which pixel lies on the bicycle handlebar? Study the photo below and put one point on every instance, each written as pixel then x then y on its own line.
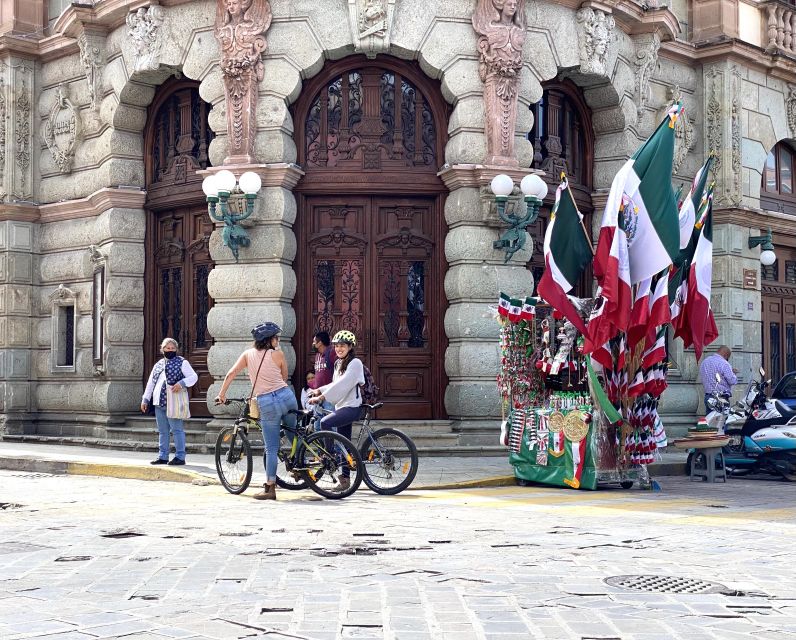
pixel 230 400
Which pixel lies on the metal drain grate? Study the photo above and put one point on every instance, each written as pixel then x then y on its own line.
pixel 665 584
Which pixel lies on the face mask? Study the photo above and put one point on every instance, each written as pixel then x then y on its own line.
pixel 169 354
pixel 314 349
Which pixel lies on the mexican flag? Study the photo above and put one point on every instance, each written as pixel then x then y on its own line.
pixel 515 310
pixel 701 324
pixel 660 312
pixel 504 302
pixel 651 222
pixel 528 309
pixel 692 203
pixel 567 252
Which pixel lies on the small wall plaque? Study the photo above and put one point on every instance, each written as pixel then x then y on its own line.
pixel 750 278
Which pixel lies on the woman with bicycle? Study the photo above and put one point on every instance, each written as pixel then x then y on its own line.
pixel 342 392
pixel 267 369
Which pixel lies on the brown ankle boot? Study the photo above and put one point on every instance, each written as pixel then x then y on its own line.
pixel 268 492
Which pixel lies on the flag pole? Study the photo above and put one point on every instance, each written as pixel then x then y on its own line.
pixel 582 226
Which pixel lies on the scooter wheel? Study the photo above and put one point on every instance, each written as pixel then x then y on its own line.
pixel 522 482
pixel 626 484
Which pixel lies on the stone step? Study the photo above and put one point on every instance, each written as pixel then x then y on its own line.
pixel 436 447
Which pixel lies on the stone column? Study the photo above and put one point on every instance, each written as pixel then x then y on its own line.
pixel 16 304
pixel 476 274
pixel 261 285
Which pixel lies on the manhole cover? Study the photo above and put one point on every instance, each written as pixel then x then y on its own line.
pixel 665 584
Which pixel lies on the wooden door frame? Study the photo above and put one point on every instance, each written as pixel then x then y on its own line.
pixel 428 184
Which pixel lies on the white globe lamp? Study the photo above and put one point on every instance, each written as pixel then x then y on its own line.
pixel 250 183
pixel 502 186
pixel 210 186
pixel 767 257
pixel 226 181
pixel 533 186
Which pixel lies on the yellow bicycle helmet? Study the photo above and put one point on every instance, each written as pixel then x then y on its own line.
pixel 345 336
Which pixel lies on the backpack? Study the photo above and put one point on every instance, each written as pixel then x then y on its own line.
pixel 368 391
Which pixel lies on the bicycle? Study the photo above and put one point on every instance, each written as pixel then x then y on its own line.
pixel 316 460
pixel 388 455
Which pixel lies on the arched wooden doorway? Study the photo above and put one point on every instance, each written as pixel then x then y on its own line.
pixel 178 230
pixel 563 140
pixel 371 228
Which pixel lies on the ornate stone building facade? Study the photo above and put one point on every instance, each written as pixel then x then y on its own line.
pixel 375 144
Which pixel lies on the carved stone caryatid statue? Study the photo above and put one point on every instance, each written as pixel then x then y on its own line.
pixel 594 37
pixel 146 35
pixel 240 30
pixel 371 21
pixel 501 27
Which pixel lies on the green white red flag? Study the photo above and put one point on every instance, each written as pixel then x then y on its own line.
pixel 504 302
pixel 567 252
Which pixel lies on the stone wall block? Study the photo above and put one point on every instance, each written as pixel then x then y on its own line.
pixel 761 128
pixel 461 81
pixel 119 223
pixel 268 242
pixel 471 321
pixel 274 146
pixel 125 117
pixel 125 292
pixel 272 113
pixel 720 272
pixel 281 79
pixel 14 364
pixel 57 236
pixel 466 147
pixel 471 282
pixel 82 291
pixel 749 95
pixel 464 206
pixel 472 399
pixel 543 60
pixel 17 236
pixel 227 321
pixel 62 267
pixel 55 71
pixel 14 396
pixel 223 355
pixel 16 299
pixel 275 204
pixel 84 331
pixel 217 150
pixel 297 42
pixel 200 16
pixel 237 282
pixel 718 302
pixel 772 103
pixel 472 360
pixel 753 155
pixel 446 42
pixel 125 258
pixel 467 115
pixel 737 303
pixel 42 332
pixel 16 267
pixel 15 332
pixel 466 243
pixel 211 90
pixel 124 362
pixel 123 327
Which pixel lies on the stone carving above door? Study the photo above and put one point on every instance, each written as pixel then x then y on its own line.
pixel 371 22
pixel 595 32
pixel 146 35
pixel 240 30
pixel 501 30
pixel 684 135
pixel 646 62
pixel 92 58
pixel 62 131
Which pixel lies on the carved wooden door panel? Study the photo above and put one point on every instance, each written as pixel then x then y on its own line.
pixel 370 271
pixel 181 301
pixel 399 339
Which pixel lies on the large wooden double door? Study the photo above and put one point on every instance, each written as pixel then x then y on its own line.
pixel 779 314
pixel 369 267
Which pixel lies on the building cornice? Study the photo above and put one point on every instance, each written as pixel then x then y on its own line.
pixel 461 176
pixel 92 206
pixel 279 174
pixel 783 225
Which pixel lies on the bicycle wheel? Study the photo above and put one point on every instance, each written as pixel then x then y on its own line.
pixel 390 460
pixel 285 478
pixel 233 460
pixel 326 457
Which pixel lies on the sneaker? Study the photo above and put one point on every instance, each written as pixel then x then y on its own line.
pixel 343 483
pixel 159 461
pixel 176 462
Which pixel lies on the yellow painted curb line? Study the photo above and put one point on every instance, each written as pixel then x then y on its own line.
pixel 130 472
pixel 495 481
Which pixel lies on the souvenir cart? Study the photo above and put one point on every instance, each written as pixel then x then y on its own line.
pixel 561 426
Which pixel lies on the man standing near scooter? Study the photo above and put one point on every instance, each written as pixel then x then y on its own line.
pixel 717 363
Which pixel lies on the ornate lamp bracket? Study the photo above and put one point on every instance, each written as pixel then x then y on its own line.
pixel 231 200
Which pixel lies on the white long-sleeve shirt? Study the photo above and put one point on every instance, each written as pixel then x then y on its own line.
pixel 343 391
pixel 153 388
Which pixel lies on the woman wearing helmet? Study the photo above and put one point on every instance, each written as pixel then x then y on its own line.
pixel 342 392
pixel 267 369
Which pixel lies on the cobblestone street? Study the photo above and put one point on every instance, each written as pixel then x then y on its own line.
pixel 85 557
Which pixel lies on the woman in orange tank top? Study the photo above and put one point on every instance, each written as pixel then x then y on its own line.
pixel 267 369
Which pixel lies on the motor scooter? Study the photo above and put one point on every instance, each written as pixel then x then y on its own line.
pixel 762 434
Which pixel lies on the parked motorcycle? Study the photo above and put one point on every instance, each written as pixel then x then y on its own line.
pixel 762 434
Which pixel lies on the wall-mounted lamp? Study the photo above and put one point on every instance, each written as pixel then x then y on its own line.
pixel 767 255
pixel 534 189
pixel 221 194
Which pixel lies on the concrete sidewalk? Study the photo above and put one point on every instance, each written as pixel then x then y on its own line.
pixel 433 473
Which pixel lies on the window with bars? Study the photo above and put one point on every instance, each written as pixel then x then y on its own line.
pixel 790 271
pixel 778 184
pixel 770 272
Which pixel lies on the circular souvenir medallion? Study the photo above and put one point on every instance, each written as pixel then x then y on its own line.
pixel 555 422
pixel 575 427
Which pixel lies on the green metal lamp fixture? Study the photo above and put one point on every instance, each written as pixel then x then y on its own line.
pixel 767 255
pixel 231 205
pixel 534 189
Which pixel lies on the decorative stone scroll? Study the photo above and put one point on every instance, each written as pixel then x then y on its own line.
pixel 645 63
pixel 62 131
pixel 371 22
pixel 684 136
pixel 146 35
pixel 501 27
pixel 91 58
pixel 595 30
pixel 240 30
pixel 790 109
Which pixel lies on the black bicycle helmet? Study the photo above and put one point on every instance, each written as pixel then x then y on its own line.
pixel 265 330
